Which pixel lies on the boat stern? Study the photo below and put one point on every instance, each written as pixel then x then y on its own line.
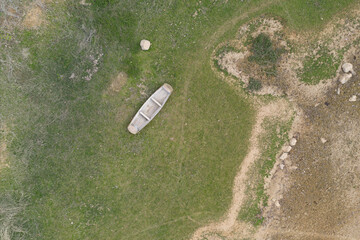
pixel 132 129
pixel 168 87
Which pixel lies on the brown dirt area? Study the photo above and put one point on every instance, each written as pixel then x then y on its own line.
pixel 324 191
pixel 33 18
pixel 316 194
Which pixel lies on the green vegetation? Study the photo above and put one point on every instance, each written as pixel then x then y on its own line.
pixel 263 51
pixel 319 67
pixel 76 173
pixel 77 170
pixel 254 85
pixel 271 142
pixel 309 14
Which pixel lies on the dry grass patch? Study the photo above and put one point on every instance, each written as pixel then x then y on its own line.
pixel 118 82
pixel 33 18
pixel 3 155
pixel 3 148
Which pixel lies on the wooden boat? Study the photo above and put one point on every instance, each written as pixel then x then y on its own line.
pixel 150 108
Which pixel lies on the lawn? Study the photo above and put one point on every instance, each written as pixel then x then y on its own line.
pixel 76 173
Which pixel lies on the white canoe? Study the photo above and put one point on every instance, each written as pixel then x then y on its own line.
pixel 150 108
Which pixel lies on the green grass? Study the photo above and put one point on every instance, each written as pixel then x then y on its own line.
pixel 319 67
pixel 86 176
pixel 76 172
pixel 309 14
pixel 271 142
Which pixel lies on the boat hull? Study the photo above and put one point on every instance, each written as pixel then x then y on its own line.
pixel 150 108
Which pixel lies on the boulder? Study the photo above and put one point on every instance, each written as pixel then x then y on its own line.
pixel 145 44
pixel 287 149
pixel 348 67
pixel 293 142
pixel 284 156
pixel 345 77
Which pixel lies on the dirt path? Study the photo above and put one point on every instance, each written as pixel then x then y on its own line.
pixel 274 109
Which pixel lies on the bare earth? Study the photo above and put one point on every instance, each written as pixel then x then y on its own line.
pixel 33 18
pixel 316 195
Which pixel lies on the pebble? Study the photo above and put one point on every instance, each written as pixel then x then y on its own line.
pixel 282 166
pixel 352 99
pixel 284 156
pixel 323 140
pixel 338 91
pixel 277 204
pixel 293 167
pixel 293 142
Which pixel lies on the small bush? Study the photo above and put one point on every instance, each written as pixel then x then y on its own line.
pixel 254 85
pixel 263 51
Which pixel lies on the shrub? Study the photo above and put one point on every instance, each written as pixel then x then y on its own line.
pixel 263 51
pixel 254 85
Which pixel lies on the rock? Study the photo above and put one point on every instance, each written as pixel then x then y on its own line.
pixel 287 149
pixel 284 156
pixel 352 99
pixel 282 166
pixel 323 140
pixel 338 91
pixel 293 142
pixel 293 167
pixel 348 67
pixel 277 204
pixel 83 2
pixel 345 77
pixel 145 44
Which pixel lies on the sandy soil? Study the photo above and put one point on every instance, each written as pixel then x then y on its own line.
pixel 316 194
